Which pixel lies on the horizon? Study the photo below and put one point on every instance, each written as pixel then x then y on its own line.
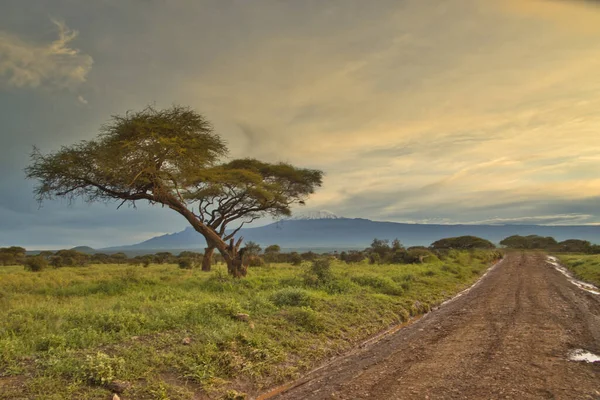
pixel 124 246
pixel 467 112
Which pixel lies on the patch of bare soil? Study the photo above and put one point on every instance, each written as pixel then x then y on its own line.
pixel 507 338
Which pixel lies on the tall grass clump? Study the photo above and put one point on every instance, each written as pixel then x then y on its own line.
pixel 319 273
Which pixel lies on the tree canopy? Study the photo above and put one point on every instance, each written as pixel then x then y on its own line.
pixel 529 242
pixel 463 243
pixel 172 157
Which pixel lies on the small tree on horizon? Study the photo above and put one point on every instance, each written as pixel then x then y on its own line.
pixel 172 157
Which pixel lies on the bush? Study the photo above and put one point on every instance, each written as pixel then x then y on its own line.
pixel 419 255
pixel 255 261
pixel 463 243
pixel 374 258
pixel 354 256
pixel 101 369
pixel 319 272
pixel 35 264
pixel 185 263
pixel 295 259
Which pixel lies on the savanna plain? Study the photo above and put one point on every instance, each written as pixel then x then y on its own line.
pixel 163 332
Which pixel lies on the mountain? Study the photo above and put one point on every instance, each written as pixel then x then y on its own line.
pixel 84 249
pixel 351 233
pixel 323 214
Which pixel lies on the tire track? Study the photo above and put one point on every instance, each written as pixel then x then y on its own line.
pixel 506 338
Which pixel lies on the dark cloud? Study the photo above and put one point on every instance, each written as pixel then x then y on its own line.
pixel 425 112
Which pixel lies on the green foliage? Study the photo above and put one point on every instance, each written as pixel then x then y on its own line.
pixel 319 272
pixel 584 267
pixel 374 258
pixel 69 258
pixel 255 260
pixel 380 252
pixel 252 248
pixel 529 242
pixel 295 259
pixel 462 243
pixel 381 284
pixel 306 318
pixel 101 369
pixel 234 395
pixel 185 263
pixel 574 246
pixel 35 264
pixel 181 140
pixel 309 256
pixel 272 253
pixel 292 297
pixel 165 257
pixel 51 322
pixel 12 255
pixel 352 257
pixel 173 158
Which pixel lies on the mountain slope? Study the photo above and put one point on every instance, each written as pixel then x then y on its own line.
pixel 358 233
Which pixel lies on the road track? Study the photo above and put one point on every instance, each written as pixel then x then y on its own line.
pixel 507 338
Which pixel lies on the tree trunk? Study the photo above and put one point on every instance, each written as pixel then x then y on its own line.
pixel 232 254
pixel 235 260
pixel 237 268
pixel 207 259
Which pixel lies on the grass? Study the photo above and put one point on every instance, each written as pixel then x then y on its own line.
pixel 173 333
pixel 584 266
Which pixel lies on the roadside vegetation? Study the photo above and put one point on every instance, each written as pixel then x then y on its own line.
pixel 584 266
pixel 169 331
pixel 581 257
pixel 547 243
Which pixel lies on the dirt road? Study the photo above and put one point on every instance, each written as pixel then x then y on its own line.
pixel 507 338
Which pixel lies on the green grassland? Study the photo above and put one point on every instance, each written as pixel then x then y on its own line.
pixel 584 266
pixel 174 334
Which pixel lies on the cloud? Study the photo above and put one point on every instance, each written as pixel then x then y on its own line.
pixel 81 99
pixel 576 16
pixel 416 111
pixel 55 64
pixel 558 219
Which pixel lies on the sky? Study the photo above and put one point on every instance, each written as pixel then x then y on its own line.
pixel 444 111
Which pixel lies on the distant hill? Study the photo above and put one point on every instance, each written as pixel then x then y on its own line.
pixel 347 233
pixel 85 249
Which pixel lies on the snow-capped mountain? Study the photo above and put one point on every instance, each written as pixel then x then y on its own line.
pixel 322 214
pixel 326 230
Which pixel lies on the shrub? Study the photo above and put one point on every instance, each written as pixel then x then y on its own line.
pixel 319 272
pixel 35 264
pixel 185 263
pixel 463 243
pixel 255 261
pixel 398 257
pixel 101 369
pixel 419 255
pixel 374 258
pixel 309 256
pixel 295 259
pixel 354 256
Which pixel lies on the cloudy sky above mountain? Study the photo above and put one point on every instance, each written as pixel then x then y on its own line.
pixel 452 111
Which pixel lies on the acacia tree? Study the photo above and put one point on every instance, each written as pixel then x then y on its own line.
pixel 243 190
pixel 172 157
